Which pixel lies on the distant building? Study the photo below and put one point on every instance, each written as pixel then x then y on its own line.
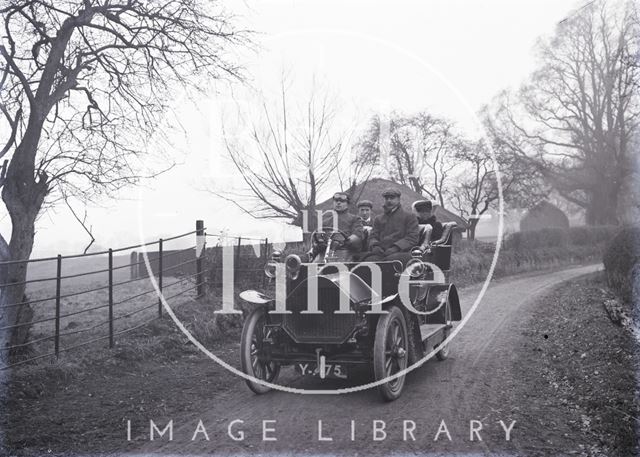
pixel 544 215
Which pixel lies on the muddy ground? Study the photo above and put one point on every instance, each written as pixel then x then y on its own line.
pixel 538 351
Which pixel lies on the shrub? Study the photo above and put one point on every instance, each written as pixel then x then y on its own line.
pixel 534 239
pixel 559 237
pixel 622 262
pixel 586 236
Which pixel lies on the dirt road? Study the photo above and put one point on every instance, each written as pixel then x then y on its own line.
pixel 440 400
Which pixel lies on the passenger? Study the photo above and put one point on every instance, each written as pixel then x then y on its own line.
pixel 423 209
pixel 364 211
pixel 394 232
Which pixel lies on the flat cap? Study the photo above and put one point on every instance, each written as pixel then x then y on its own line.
pixel 423 205
pixel 390 191
pixel 365 203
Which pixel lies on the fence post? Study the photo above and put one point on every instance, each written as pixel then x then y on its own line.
pixel 110 298
pixel 58 283
pixel 160 277
pixel 199 273
pixel 266 259
pixel 237 261
pixel 133 263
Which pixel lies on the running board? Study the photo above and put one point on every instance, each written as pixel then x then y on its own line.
pixel 432 335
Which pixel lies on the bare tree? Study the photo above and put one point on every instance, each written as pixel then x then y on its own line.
pixel 575 119
pixel 361 165
pixel 291 154
pixel 421 153
pixel 477 189
pixel 85 84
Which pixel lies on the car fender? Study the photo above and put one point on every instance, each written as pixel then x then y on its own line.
pixel 454 302
pixel 437 294
pixel 255 297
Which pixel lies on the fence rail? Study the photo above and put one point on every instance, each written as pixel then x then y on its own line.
pixel 87 302
pixel 177 272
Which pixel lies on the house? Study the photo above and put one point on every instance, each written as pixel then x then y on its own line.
pixel 372 190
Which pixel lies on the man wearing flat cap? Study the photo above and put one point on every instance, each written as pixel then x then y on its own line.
pixel 423 210
pixel 394 232
pixel 364 211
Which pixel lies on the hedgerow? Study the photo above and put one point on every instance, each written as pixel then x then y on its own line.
pixel 530 250
pixel 622 263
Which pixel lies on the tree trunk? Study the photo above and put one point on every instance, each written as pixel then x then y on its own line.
pixel 16 273
pixel 603 206
pixel 471 231
pixel 23 197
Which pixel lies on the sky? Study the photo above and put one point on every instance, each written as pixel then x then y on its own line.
pixel 448 57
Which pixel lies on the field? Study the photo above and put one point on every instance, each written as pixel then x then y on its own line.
pixel 84 303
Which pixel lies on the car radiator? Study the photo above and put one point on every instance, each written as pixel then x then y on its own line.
pixel 327 327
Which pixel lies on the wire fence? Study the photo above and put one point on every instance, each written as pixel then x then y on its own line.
pixel 78 300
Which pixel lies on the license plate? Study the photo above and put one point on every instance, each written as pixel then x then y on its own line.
pixel 331 370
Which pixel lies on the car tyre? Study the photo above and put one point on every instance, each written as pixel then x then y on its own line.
pixel 443 353
pixel 251 353
pixel 391 352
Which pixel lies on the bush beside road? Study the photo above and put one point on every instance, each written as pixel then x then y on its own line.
pixel 530 251
pixel 622 264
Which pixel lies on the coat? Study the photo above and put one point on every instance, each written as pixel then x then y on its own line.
pixel 398 228
pixel 437 227
pixel 347 222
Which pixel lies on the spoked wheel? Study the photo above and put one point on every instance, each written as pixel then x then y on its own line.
pixel 391 352
pixel 253 357
pixel 443 353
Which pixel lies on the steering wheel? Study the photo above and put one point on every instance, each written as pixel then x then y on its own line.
pixel 320 237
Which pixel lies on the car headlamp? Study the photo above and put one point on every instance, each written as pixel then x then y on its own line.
pixel 293 264
pixel 415 268
pixel 270 269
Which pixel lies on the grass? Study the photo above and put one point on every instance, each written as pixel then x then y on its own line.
pixel 84 304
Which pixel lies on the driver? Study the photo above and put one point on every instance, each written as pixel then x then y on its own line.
pixel 348 223
pixel 394 232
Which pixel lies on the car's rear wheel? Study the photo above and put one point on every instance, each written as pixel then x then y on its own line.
pixel 443 352
pixel 252 354
pixel 391 352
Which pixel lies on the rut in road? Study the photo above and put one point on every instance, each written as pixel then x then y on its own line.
pixel 458 390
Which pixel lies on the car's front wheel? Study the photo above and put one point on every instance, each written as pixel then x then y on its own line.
pixel 254 359
pixel 391 352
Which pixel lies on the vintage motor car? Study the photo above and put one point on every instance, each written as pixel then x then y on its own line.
pixel 335 313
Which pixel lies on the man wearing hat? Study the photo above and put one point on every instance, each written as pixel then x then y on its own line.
pixel 348 223
pixel 364 211
pixel 394 232
pixel 423 209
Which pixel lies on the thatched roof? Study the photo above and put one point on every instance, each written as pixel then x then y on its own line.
pixel 372 190
pixel 544 215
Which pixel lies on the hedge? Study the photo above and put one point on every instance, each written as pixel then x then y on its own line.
pixel 578 236
pixel 529 251
pixel 622 263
